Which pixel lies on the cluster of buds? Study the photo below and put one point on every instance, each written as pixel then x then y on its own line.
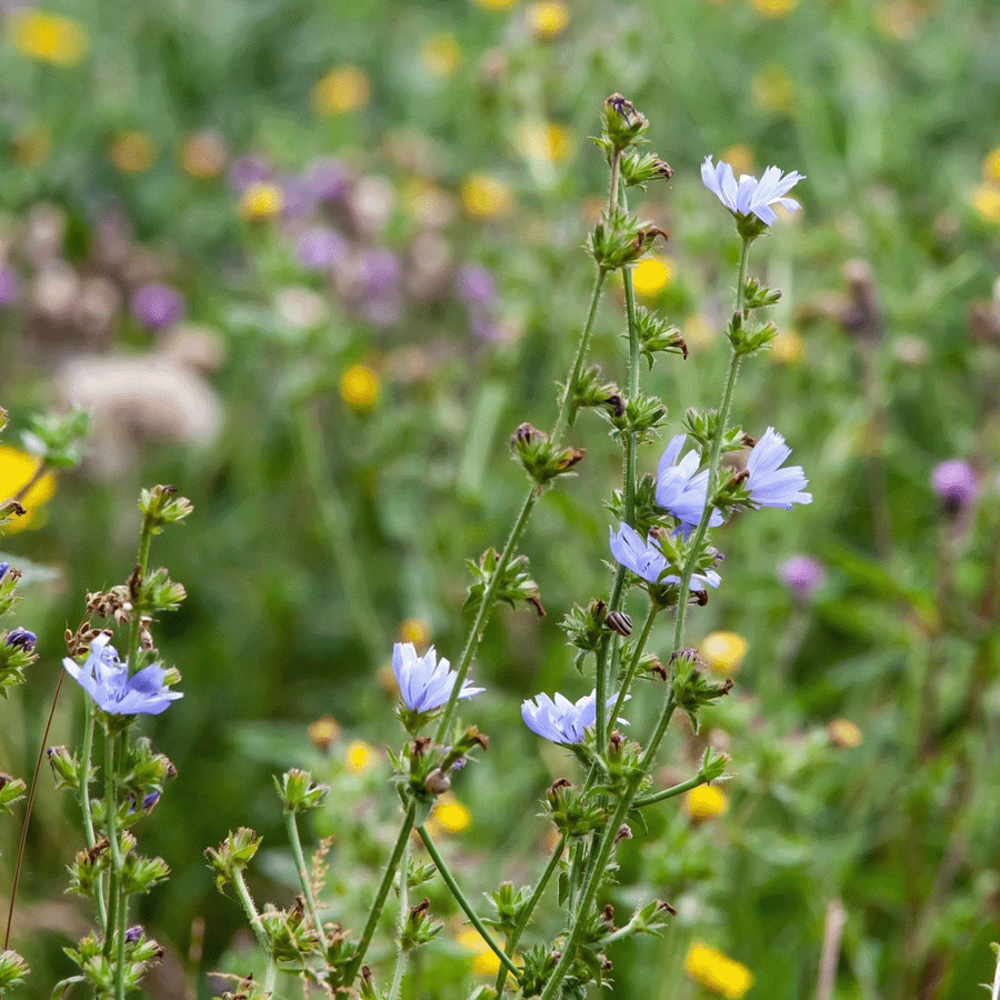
pixel 100 972
pixel 691 686
pixel 542 459
pixel 515 585
pixel 574 813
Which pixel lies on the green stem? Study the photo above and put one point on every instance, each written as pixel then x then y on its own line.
pixel 672 792
pixel 88 819
pixel 383 891
pixel 142 561
pixel 397 976
pixel 601 697
pixel 270 973
pixel 115 924
pixel 456 891
pixel 291 824
pixel 522 923
pixel 640 645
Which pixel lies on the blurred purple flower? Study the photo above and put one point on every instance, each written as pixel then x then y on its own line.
pixel 320 247
pixel 157 304
pixel 474 284
pixel 379 270
pixel 252 168
pixel 955 483
pixel 4 566
pixel 327 179
pixel 484 326
pixel 769 485
pixel 425 682
pixel 801 575
pixel 10 286
pixel 299 199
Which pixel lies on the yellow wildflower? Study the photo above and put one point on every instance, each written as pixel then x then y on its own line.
pixel 774 8
pixel 485 197
pixel 449 815
pixel 441 55
pixel 132 152
pixel 986 200
pixel 740 158
pixel 343 89
pixel 359 387
pixel 773 89
pixel 485 961
pixel 17 469
pixel 544 141
pixel 548 18
pixel 323 732
pixel 651 275
pixel 845 733
pixel 414 630
pixel 787 348
pixel 360 757
pixel 495 4
pixel 705 802
pixel 991 166
pixel 203 155
pixel 262 201
pixel 718 972
pixel 47 37
pixel 697 330
pixel 723 651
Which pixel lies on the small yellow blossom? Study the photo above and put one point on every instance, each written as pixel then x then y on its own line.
pixel 441 55
pixel 343 89
pixel 486 197
pixel 203 155
pixel 705 802
pixel 414 630
pixel 544 141
pixel 548 18
pixel 718 972
pixel 740 158
pixel 132 152
pixel 47 37
pixel 991 166
pixel 17 469
pixel 323 732
pixel 774 8
pixel 773 89
pixel 845 733
pixel 485 962
pixel 32 146
pixel 359 387
pixel 495 4
pixel 698 330
pixel 651 275
pixel 262 201
pixel 986 200
pixel 723 651
pixel 360 757
pixel 449 815
pixel 787 348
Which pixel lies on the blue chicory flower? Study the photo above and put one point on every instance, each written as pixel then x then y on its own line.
pixel 21 638
pixel 681 489
pixel 647 560
pixel 3 569
pixel 769 485
pixel 750 195
pixel 561 720
pixel 106 679
pixel 425 683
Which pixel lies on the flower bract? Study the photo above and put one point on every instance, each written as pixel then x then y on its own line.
pixel 561 720
pixel 646 559
pixel 749 195
pixel 425 682
pixel 769 485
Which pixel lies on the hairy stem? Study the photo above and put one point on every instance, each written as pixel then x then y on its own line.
pixel 292 826
pixel 397 976
pixel 271 971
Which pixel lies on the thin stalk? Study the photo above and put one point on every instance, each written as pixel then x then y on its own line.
pixel 515 935
pixel 36 475
pixel 640 645
pixel 672 792
pixel 397 976
pixel 88 819
pixel 383 891
pixel 270 971
pixel 142 562
pixel 601 697
pixel 456 891
pixel 117 914
pixel 291 824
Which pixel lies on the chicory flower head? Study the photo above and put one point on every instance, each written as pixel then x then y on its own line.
pixel 21 638
pixel 749 195
pixel 561 720
pixel 769 485
pixel 425 682
pixel 681 489
pixel 647 560
pixel 106 679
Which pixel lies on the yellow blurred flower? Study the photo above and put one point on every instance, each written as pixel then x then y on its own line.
pixel 132 152
pixel 718 972
pixel 359 387
pixel 360 757
pixel 495 4
pixel 485 962
pixel 845 733
pixel 32 146
pixel 774 8
pixel 441 55
pixel 323 732
pixel 544 141
pixel 705 802
pixel 773 89
pixel 203 155
pixel 723 651
pixel 787 348
pixel 740 158
pixel 991 166
pixel 262 201
pixel 986 200
pixel 414 630
pixel 697 330
pixel 343 89
pixel 651 275
pixel 17 469
pixel 548 18
pixel 47 37
pixel 449 816
pixel 486 197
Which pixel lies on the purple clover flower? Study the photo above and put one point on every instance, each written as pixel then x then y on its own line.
pixel 248 169
pixel 769 485
pixel 106 679
pixel 801 575
pixel 156 305
pixel 320 247
pixel 681 489
pixel 646 559
pixel 750 195
pixel 20 638
pixel 955 483
pixel 327 178
pixel 475 285
pixel 561 720
pixel 10 286
pixel 425 683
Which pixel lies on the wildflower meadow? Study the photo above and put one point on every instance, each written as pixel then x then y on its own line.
pixel 500 499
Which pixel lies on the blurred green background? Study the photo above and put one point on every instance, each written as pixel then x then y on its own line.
pixel 313 262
